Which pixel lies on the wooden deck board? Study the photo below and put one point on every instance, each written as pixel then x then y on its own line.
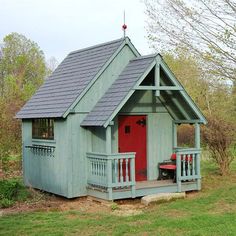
pixel 154 183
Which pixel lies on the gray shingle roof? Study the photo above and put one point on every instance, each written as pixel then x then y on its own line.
pixel 117 92
pixel 68 81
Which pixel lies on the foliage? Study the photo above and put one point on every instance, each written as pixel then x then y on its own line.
pixel 5 203
pixel 11 166
pixel 189 72
pixel 185 135
pixel 215 99
pixel 12 190
pixel 207 212
pixel 219 135
pixel 114 206
pixel 206 28
pixel 22 70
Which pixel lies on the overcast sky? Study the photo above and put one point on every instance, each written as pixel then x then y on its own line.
pixel 61 26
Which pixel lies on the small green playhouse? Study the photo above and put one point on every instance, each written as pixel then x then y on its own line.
pixel 103 123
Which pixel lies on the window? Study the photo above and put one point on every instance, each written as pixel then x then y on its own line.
pixel 43 128
pixel 127 129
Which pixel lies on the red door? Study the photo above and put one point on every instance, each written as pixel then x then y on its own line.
pixel 132 138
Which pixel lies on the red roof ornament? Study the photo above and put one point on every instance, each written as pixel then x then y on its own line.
pixel 124 26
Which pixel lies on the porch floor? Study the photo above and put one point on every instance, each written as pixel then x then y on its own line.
pixel 144 188
pixel 154 183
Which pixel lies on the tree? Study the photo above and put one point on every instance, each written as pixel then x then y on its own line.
pixel 207 28
pixel 206 31
pixel 188 71
pixel 220 136
pixel 22 65
pixel 216 101
pixel 22 70
pixel 52 64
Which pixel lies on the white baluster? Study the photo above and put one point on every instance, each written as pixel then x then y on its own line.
pixel 116 171
pixel 126 170
pixel 188 161
pixel 193 164
pixel 121 171
pixel 183 161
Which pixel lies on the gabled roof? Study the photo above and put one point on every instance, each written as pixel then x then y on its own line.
pixel 118 91
pixel 178 103
pixel 69 81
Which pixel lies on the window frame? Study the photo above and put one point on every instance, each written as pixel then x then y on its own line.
pixel 43 128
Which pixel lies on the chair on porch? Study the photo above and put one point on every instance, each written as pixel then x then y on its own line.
pixel 167 169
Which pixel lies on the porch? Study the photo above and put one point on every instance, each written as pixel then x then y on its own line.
pixel 112 176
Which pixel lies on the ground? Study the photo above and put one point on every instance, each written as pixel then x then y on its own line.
pixel 47 202
pixel 211 211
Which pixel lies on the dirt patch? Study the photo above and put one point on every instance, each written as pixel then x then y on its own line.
pixel 56 203
pixel 50 202
pixel 128 210
pixel 223 207
pixel 192 194
pixel 84 204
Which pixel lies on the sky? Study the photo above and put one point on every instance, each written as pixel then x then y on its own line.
pixel 62 26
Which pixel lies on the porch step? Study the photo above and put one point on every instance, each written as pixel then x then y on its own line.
pixel 160 197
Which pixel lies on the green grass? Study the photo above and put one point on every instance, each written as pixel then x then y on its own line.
pixel 209 212
pixel 12 190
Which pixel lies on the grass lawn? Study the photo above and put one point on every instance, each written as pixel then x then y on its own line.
pixel 209 212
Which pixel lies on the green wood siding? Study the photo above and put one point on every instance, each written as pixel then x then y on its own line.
pixel 159 141
pixel 66 173
pixel 91 139
pixel 46 172
pixel 80 144
pixel 159 128
pixel 143 101
pixel 105 80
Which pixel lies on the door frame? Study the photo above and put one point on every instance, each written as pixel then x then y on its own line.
pixel 147 134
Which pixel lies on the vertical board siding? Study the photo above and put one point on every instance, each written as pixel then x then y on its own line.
pixel 159 128
pixel 143 101
pixel 92 139
pixel 46 172
pixel 159 141
pixel 80 144
pixel 98 135
pixel 105 80
pixel 65 174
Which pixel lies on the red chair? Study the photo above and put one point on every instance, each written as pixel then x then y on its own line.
pixel 167 169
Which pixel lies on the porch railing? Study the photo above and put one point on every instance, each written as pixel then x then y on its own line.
pixel 110 171
pixel 188 165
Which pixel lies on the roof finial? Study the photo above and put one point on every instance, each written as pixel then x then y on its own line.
pixel 124 26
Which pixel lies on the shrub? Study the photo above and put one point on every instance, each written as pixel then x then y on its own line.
pixel 5 203
pixel 185 135
pixel 219 135
pixel 12 190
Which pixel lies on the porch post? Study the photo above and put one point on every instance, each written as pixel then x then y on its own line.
pixel 109 162
pixel 198 145
pixel 157 77
pixel 108 139
pixel 132 170
pixel 178 172
pixel 174 135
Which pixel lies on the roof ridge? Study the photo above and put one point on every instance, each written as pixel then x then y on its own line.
pixel 97 45
pixel 145 56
